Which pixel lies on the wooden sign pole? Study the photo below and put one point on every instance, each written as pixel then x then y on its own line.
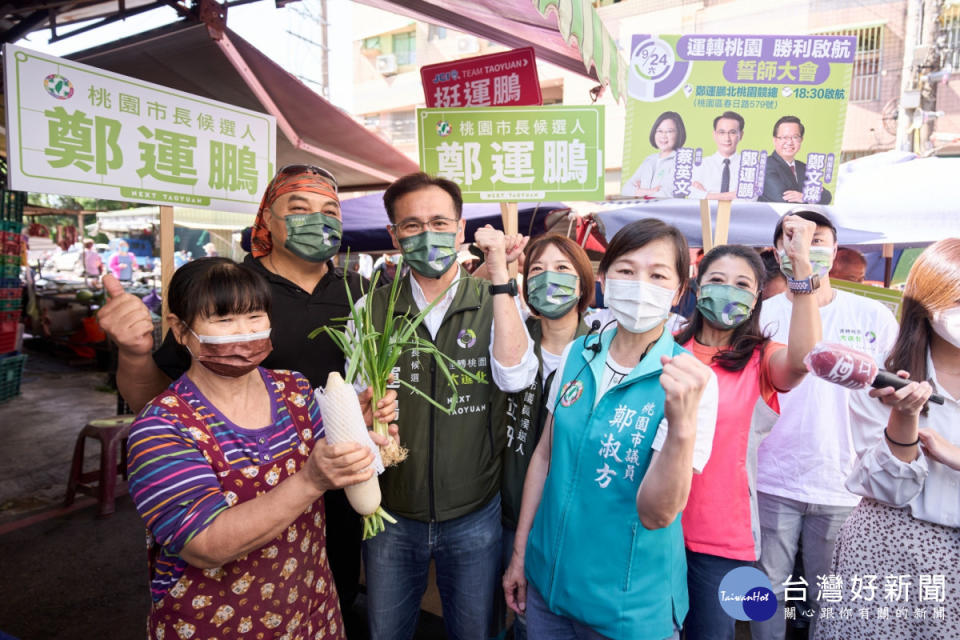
pixel 711 237
pixel 166 258
pixel 509 213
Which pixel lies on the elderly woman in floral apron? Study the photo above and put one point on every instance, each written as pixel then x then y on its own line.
pixel 228 468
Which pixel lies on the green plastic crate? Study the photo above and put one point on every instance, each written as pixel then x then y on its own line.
pixel 11 373
pixel 11 205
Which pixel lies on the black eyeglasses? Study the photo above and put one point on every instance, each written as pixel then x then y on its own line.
pixel 294 169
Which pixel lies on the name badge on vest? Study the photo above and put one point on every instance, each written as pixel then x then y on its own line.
pixel 571 392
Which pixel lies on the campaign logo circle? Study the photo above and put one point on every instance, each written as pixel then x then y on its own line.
pixel 58 86
pixel 745 593
pixel 444 129
pixel 466 338
pixel 734 313
pixel 571 392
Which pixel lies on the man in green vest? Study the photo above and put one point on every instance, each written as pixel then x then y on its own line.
pixel 445 495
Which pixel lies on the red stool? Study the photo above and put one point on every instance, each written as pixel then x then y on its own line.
pixel 112 434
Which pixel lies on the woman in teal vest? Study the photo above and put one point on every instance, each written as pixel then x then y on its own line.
pixel 558 286
pixel 599 547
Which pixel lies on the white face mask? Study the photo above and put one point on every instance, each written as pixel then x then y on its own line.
pixel 638 306
pixel 947 325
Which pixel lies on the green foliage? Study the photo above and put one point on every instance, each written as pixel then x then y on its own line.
pixel 373 354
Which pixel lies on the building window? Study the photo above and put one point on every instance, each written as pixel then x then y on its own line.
pixel 951 29
pixel 868 62
pixel 403 127
pixel 436 32
pixel 372 44
pixel 405 47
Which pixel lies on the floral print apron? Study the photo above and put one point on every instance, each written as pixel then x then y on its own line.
pixel 282 590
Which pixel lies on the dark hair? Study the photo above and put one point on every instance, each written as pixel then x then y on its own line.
pixel 573 252
pixel 729 115
pixel 769 258
pixel 216 287
pixel 677 120
pixel 847 256
pixel 748 336
pixel 640 233
pixel 415 182
pixel 785 119
pixel 813 213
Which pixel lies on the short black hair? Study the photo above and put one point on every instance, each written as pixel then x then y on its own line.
pixel 813 213
pixel 785 119
pixel 216 287
pixel 729 115
pixel 640 233
pixel 678 121
pixel 415 182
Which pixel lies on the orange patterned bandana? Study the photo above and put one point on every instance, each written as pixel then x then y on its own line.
pixel 288 179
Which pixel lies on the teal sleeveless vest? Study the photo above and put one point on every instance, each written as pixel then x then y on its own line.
pixel 588 554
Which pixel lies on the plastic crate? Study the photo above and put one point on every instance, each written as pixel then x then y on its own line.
pixel 9 328
pixel 11 205
pixel 11 373
pixel 10 238
pixel 10 267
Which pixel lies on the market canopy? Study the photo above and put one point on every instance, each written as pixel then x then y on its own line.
pixel 214 62
pixel 567 33
pixel 365 221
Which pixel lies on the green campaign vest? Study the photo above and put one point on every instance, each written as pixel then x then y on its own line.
pixel 524 417
pixel 453 467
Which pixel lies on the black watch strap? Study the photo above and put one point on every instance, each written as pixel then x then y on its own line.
pixel 508 287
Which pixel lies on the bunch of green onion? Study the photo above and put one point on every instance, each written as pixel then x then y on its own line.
pixel 372 354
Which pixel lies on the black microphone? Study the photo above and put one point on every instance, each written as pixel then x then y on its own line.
pixel 594 327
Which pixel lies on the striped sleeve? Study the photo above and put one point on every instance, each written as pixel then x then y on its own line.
pixel 174 488
pixel 313 409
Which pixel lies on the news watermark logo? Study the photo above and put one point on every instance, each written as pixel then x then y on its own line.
pixel 746 594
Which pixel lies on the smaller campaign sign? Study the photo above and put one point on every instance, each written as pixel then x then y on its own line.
pixel 501 79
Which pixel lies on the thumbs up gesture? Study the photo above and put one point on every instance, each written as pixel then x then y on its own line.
pixel 126 319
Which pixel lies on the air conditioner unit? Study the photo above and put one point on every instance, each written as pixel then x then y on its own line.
pixel 468 44
pixel 387 64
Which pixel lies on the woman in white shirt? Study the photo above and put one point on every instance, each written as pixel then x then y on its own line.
pixel 654 177
pixel 898 554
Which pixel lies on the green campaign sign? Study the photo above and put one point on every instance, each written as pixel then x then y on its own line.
pixel 515 153
pixel 891 298
pixel 702 112
pixel 77 130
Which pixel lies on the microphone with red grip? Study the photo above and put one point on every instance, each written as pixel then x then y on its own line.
pixel 853 369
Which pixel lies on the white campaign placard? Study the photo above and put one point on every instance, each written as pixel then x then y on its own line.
pixel 77 130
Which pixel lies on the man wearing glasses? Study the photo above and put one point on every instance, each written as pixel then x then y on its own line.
pixel 784 177
pixel 445 495
pixel 717 176
pixel 296 233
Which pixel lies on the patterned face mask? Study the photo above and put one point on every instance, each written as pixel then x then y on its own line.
pixel 315 237
pixel 430 253
pixel 821 259
pixel 725 306
pixel 552 294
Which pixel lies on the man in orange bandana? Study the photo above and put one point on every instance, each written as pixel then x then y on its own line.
pixel 296 233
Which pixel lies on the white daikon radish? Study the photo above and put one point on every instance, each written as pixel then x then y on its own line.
pixel 343 422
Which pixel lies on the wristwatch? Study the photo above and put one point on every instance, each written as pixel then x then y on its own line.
pixel 508 287
pixel 805 286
